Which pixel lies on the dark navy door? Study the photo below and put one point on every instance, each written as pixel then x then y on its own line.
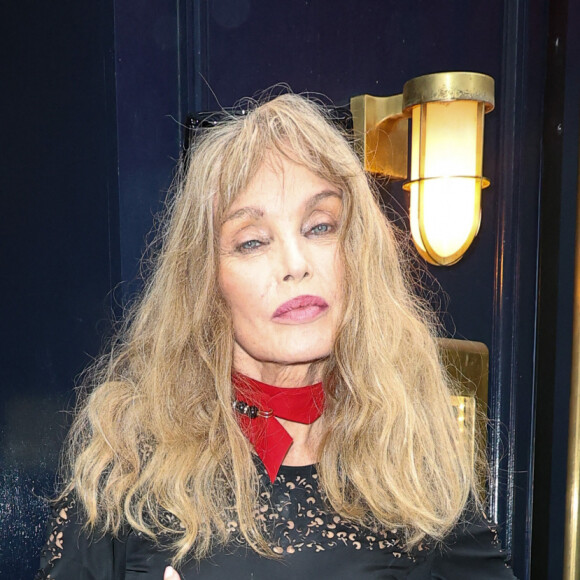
pixel 97 95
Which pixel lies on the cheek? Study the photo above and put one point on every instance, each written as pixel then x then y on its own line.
pixel 231 286
pixel 335 273
pixel 242 291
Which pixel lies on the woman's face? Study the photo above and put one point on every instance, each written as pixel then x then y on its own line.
pixel 280 270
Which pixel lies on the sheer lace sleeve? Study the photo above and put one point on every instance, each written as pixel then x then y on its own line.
pixel 70 553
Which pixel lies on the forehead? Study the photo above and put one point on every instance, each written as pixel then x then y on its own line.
pixel 282 182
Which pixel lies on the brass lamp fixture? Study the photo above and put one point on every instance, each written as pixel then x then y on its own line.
pixel 445 178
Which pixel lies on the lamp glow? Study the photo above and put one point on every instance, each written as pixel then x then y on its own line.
pixel 445 179
pixel 446 166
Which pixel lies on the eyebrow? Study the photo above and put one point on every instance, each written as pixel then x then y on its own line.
pixel 313 201
pixel 250 211
pixel 257 212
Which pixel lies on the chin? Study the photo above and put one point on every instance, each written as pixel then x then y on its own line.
pixel 306 354
pixel 297 350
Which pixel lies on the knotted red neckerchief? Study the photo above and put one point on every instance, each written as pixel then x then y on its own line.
pixel 258 404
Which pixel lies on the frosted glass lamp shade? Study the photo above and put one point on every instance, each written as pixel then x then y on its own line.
pixel 446 180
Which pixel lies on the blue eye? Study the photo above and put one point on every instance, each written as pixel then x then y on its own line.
pixel 320 229
pixel 249 245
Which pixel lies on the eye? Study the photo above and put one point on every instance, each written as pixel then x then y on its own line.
pixel 321 229
pixel 249 246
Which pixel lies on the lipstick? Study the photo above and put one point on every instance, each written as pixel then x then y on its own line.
pixel 300 309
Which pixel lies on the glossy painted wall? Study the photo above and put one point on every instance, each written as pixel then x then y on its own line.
pixel 59 244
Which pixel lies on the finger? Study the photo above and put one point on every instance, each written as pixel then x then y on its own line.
pixel 170 574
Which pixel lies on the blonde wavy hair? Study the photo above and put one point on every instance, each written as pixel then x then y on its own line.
pixel 155 432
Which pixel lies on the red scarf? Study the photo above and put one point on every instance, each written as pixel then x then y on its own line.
pixel 257 405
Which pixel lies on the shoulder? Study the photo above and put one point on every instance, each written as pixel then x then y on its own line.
pixel 472 550
pixel 71 551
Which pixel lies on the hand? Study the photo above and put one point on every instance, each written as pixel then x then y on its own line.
pixel 170 574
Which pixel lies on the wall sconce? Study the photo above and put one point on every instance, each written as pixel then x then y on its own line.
pixel 445 178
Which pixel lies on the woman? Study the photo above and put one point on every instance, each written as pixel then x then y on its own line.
pixel 199 445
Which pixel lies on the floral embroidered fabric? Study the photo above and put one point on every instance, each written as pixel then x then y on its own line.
pixel 294 515
pixel 313 543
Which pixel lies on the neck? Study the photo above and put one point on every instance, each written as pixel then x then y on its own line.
pixel 279 375
pixel 306 441
pixel 306 437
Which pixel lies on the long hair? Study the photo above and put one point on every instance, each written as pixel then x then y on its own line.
pixel 155 439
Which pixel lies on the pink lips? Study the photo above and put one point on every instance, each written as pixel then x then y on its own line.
pixel 300 309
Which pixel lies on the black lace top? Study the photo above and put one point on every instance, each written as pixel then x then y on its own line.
pixel 313 543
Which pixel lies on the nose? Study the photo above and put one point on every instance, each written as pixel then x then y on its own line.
pixel 295 264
